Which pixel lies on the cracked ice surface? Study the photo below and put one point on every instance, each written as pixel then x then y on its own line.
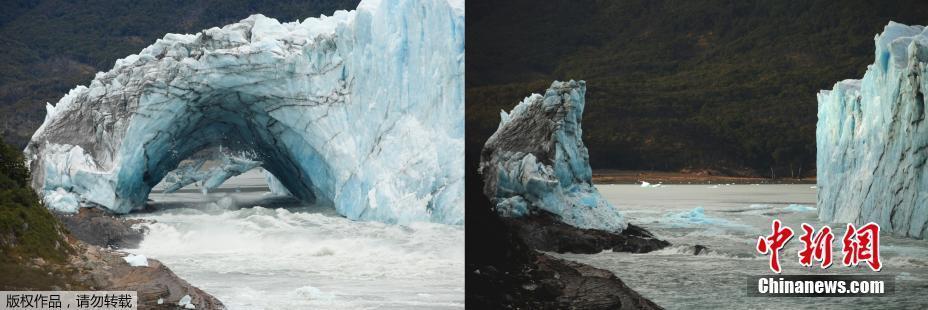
pixel 362 110
pixel 536 160
pixel 872 138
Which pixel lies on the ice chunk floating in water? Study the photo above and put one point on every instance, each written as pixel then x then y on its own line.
pixel 799 208
pixel 537 160
pixel 645 184
pixel 362 110
pixel 872 138
pixel 696 217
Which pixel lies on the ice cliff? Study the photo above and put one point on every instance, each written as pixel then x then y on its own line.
pixel 536 160
pixel 872 139
pixel 362 110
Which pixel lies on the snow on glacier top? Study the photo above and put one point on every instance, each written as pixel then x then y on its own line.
pixel 894 41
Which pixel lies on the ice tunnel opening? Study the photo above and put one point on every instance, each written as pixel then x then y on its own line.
pixel 231 123
pixel 220 169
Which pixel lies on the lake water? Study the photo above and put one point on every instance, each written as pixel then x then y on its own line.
pixel 729 222
pixel 254 250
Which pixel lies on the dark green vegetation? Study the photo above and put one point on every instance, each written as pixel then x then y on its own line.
pixel 33 246
pixel 677 84
pixel 27 229
pixel 48 47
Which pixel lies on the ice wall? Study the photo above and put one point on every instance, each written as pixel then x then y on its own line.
pixel 536 160
pixel 362 110
pixel 872 139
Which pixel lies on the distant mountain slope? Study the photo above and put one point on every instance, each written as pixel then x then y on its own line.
pixel 674 84
pixel 48 47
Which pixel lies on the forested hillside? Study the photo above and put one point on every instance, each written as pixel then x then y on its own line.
pixel 676 84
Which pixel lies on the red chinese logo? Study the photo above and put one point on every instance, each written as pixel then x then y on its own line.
pixel 774 243
pixel 862 244
pixel 817 248
pixel 858 245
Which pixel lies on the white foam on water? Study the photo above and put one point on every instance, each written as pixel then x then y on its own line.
pixel 687 250
pixel 313 293
pixel 728 222
pixel 253 257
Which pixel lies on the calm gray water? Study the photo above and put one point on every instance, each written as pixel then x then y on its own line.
pixel 729 221
pixel 254 250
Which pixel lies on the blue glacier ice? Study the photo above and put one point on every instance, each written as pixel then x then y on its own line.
pixel 274 185
pixel 536 160
pixel 872 139
pixel 210 168
pixel 695 217
pixel 799 208
pixel 362 110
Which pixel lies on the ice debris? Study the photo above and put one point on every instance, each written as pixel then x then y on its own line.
pixel 136 260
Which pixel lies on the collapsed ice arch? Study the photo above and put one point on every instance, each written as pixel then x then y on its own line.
pixel 362 110
pixel 872 139
pixel 536 161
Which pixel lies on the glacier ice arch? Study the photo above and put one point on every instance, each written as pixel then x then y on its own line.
pixel 362 110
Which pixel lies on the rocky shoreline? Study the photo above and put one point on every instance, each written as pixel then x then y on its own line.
pixel 543 232
pixel 97 264
pixel 158 287
pixel 96 227
pixel 505 270
pixel 514 275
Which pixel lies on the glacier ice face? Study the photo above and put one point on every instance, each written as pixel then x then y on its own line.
pixel 536 160
pixel 362 110
pixel 872 139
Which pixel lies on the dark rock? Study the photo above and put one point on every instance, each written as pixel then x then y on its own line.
pixel 700 249
pixel 544 232
pixel 545 282
pixel 585 287
pixel 97 227
pixel 503 272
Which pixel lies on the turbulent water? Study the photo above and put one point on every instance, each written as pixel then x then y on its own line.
pixel 253 250
pixel 729 219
